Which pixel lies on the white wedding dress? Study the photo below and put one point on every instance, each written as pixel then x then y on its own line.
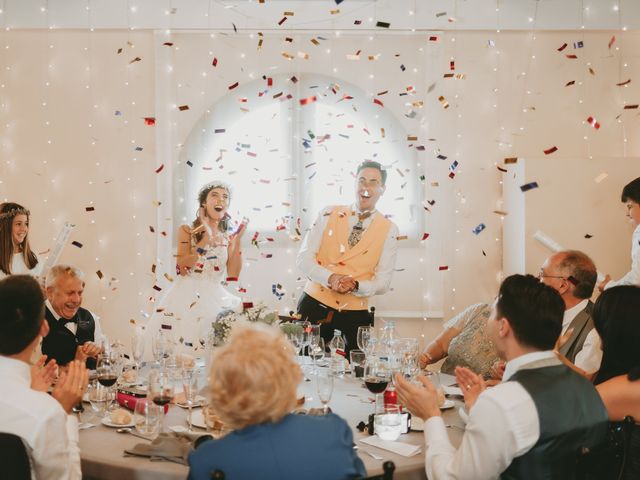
pixel 192 302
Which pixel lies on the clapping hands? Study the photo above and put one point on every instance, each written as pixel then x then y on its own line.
pixel 42 375
pixel 88 350
pixel 71 385
pixel 471 384
pixel 420 400
pixel 342 283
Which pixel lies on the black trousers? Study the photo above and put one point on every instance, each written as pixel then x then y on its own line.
pixel 347 321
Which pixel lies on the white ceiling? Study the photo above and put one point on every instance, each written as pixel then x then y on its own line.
pixel 316 15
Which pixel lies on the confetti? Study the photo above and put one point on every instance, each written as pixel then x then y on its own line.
pixel 568 84
pixel 434 38
pixel 99 274
pixel 284 19
pixel 612 41
pixel 551 150
pixel 234 85
pixel 137 59
pixel 215 62
pixel 501 212
pixel 510 160
pixel 159 169
pixel 443 101
pixel 631 107
pixel 571 56
pixel 308 100
pixel 383 24
pixel 564 45
pixel 592 121
pixel 443 268
pixel 578 44
pixel 425 236
pixel 601 177
pixel 182 108
pixel 151 121
pixel 592 71
pixel 377 101
pixel 76 244
pixel 503 170
pixel 479 228
pixel 168 44
pixel 528 186
pixel 588 236
pixel 622 84
pixel 89 209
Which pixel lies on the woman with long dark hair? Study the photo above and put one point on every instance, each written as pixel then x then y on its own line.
pixel 16 256
pixel 208 255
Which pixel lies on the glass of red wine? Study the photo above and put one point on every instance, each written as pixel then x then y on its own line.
pixel 161 388
pixel 377 376
pixel 106 369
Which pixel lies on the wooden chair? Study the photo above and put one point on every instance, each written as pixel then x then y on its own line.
pixel 14 458
pixel 217 475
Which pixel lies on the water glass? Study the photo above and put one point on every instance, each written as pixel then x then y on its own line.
pixel 357 358
pixel 137 346
pixel 99 397
pixel 316 352
pixel 147 418
pixel 388 424
pixel 364 335
pixel 324 383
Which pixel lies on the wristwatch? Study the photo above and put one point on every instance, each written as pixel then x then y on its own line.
pixel 357 286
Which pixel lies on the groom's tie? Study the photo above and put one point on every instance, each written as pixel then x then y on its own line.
pixel 356 232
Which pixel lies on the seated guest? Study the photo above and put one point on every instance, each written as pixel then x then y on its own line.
pixel 464 342
pixel 573 275
pixel 253 383
pixel 616 318
pixel 73 329
pixel 44 422
pixel 16 256
pixel 534 422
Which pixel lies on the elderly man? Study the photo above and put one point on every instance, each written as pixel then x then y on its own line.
pixel 74 331
pixel 43 422
pixel 348 256
pixel 573 275
pixel 533 423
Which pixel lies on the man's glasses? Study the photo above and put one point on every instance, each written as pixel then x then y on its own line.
pixel 542 275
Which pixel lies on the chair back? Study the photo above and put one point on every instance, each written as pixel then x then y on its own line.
pixel 217 475
pixel 388 468
pixel 14 457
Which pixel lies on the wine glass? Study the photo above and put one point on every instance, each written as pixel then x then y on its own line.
pixel 316 351
pixel 161 388
pixel 137 346
pixel 365 333
pixel 324 383
pixel 306 334
pixel 190 386
pixel 106 369
pixel 376 378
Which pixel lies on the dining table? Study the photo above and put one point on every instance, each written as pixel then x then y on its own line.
pixel 103 457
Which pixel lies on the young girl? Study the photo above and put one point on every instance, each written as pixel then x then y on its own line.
pixel 207 256
pixel 16 256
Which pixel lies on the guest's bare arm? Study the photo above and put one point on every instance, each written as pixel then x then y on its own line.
pixel 439 347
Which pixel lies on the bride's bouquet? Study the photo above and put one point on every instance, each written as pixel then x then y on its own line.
pixel 249 313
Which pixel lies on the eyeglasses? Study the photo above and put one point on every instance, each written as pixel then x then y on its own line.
pixel 542 275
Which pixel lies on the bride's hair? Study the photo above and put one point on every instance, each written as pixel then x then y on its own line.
pixel 223 226
pixel 8 212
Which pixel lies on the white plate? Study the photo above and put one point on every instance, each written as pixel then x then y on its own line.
pixel 447 405
pixel 107 423
pixel 199 402
pixel 197 419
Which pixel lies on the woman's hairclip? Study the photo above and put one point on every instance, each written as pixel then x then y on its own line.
pixel 13 212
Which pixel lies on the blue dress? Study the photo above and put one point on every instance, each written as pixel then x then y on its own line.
pixel 297 447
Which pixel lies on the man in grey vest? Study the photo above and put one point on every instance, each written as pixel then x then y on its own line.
pixel 530 426
pixel 573 275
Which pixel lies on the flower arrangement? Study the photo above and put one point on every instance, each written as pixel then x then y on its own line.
pixel 250 313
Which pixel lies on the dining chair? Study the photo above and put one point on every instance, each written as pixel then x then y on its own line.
pixel 217 475
pixel 388 468
pixel 14 457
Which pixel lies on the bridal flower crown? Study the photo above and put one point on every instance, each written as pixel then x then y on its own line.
pixel 13 212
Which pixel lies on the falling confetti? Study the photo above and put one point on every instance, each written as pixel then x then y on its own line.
pixel 528 186
pixel 551 150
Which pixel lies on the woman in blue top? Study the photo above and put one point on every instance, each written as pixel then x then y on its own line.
pixel 253 383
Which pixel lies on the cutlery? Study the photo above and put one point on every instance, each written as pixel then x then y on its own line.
pixel 373 455
pixel 131 432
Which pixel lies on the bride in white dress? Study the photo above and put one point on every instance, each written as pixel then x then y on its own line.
pixel 207 256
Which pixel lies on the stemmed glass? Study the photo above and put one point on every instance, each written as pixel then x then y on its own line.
pixel 190 386
pixel 316 351
pixel 107 372
pixel 365 333
pixel 161 388
pixel 306 335
pixel 324 383
pixel 377 376
pixel 137 347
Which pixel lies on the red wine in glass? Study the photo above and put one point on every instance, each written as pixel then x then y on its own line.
pixel 107 380
pixel 162 400
pixel 376 385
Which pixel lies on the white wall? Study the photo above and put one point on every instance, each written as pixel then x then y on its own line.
pixel 92 156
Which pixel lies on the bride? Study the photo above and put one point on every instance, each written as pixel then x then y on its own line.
pixel 207 256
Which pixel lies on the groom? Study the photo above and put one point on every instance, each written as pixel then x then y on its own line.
pixel 348 256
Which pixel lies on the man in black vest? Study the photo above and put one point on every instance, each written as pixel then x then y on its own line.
pixel 532 425
pixel 573 275
pixel 73 330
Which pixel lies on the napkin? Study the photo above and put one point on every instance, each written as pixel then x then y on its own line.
pixel 404 449
pixel 170 447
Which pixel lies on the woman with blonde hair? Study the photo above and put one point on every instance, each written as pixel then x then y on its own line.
pixel 16 256
pixel 253 383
